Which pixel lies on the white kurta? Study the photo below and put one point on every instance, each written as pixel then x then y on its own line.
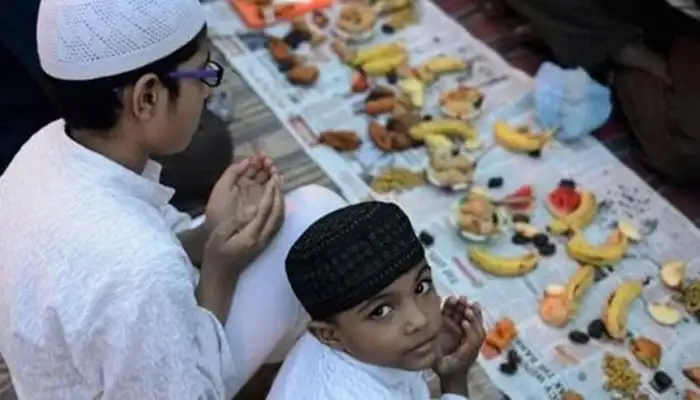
pixel 96 293
pixel 314 371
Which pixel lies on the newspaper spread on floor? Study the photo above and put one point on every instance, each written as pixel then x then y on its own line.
pixel 550 362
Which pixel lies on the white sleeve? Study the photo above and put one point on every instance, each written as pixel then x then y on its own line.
pixel 151 340
pixel 176 219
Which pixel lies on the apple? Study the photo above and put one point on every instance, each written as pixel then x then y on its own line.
pixel 672 274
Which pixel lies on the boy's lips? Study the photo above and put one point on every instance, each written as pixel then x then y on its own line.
pixel 423 346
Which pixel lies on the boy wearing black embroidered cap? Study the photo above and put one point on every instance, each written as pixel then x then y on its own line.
pixel 361 273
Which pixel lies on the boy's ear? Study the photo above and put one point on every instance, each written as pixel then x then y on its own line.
pixel 328 334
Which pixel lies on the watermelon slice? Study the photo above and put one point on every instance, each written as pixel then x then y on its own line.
pixel 563 200
pixel 522 200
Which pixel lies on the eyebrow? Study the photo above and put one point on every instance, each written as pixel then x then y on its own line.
pixel 384 295
pixel 424 268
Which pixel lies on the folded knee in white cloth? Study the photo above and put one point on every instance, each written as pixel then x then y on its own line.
pixel 265 318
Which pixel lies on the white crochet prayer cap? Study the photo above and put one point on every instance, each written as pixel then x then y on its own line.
pixel 88 39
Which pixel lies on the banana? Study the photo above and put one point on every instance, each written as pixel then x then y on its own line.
pixel 380 51
pixel 414 89
pixel 434 141
pixel 447 127
pixel 523 142
pixel 580 218
pixel 384 65
pixel 616 308
pixel 502 266
pixel 445 64
pixel 612 251
pixel 578 285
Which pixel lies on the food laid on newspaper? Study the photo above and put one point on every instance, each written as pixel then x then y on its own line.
pixel 589 279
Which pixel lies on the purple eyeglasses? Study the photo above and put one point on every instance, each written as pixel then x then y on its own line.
pixel 210 74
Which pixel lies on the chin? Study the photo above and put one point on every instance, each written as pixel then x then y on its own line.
pixel 419 362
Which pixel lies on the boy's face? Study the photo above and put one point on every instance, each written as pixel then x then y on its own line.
pixel 167 125
pixel 396 328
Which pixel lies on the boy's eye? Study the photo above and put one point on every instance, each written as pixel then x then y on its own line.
pixel 424 286
pixel 380 312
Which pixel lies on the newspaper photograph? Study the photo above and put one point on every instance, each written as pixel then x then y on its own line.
pixel 590 280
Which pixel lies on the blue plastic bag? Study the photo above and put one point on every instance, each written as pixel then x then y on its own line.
pixel 569 101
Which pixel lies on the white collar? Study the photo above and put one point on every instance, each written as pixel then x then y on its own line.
pixel 110 174
pixel 389 377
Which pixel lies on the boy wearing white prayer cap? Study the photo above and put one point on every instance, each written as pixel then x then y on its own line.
pixel 99 297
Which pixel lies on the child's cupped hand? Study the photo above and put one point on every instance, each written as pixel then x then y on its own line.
pixel 461 338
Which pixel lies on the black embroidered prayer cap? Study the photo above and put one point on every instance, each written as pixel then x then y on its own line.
pixel 351 254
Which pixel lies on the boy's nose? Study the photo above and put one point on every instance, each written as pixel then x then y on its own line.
pixel 416 319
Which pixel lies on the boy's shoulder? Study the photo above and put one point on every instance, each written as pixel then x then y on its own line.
pixel 313 371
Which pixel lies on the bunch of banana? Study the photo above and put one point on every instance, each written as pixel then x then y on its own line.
pixel 580 218
pixel 519 141
pixel 502 266
pixel 381 59
pixel 451 128
pixel 616 308
pixel 609 253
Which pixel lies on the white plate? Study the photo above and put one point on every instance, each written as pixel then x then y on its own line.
pixel 503 222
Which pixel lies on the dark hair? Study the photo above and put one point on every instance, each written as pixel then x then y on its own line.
pixel 95 104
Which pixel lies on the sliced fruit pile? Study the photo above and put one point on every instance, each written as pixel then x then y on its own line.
pixel 560 303
pixel 521 201
pixel 572 208
pixel 450 168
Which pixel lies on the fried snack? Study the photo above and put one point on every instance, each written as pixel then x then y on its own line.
pixel 401 141
pixel 380 136
pixel 356 18
pixel 360 83
pixel 620 377
pixel 380 106
pixel 397 179
pixel 279 51
pixel 340 140
pixel 379 92
pixel 303 75
pixel 646 351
